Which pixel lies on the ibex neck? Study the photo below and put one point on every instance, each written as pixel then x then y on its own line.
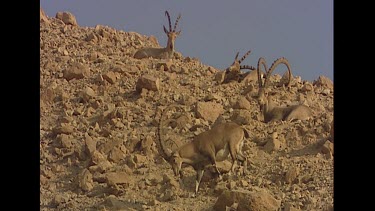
pixel 170 45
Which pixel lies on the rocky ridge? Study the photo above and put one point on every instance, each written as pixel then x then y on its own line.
pixel 100 110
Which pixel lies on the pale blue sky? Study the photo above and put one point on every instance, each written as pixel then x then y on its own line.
pixel 301 31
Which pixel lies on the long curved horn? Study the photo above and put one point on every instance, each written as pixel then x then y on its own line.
pixel 248 67
pixel 175 24
pixel 166 153
pixel 244 56
pixel 235 58
pixel 278 61
pixel 169 20
pixel 261 61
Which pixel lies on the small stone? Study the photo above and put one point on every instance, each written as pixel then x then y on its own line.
pixel 85 180
pixel 291 175
pixel 148 82
pixel 66 129
pixel 114 178
pixel 242 103
pixel 110 76
pixel 327 148
pixel 272 145
pixel 76 71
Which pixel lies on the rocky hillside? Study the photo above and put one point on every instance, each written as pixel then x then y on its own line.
pixel 99 116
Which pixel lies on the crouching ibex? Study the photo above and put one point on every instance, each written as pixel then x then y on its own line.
pixel 233 72
pixel 162 53
pixel 207 148
pixel 271 112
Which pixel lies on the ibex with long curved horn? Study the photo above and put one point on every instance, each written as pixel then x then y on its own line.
pixel 162 53
pixel 207 148
pixel 233 72
pixel 271 112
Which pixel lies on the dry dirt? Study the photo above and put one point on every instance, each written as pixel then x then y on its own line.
pixel 99 147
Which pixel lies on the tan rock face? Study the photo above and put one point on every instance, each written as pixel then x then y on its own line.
pixel 100 141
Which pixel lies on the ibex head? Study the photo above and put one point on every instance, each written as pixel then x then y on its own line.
pixel 176 163
pixel 236 65
pixel 171 34
pixel 263 99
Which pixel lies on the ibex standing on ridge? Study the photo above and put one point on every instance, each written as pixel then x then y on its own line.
pixel 207 148
pixel 267 106
pixel 162 53
pixel 233 72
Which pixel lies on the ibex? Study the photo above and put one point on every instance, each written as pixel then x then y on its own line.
pixel 267 106
pixel 233 72
pixel 207 148
pixel 162 53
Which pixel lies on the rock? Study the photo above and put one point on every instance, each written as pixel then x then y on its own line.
pixel 332 132
pixel 255 201
pixel 88 94
pixel 139 159
pixel 107 146
pixel 112 203
pixel 146 144
pixel 324 81
pixel 272 145
pixel 43 17
pixel 231 185
pixel 164 65
pixel 244 183
pixel 219 77
pixel 67 18
pixel 76 71
pixel 327 148
pixel 114 178
pixel 97 157
pixel 64 140
pixel 242 117
pixel 242 103
pixel 66 129
pixel 110 76
pixel 85 180
pixel 209 111
pixel 90 144
pixel 224 166
pixel 153 40
pixel 289 207
pixel 291 175
pixel 148 82
pixel 60 198
pixel 307 87
pixel 117 154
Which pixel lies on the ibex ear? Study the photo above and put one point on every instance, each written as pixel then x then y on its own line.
pixel 178 33
pixel 165 30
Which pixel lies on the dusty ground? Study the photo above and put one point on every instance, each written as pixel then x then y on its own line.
pixel 99 146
